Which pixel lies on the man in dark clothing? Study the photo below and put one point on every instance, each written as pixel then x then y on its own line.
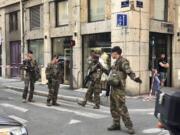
pixel 29 66
pixel 162 68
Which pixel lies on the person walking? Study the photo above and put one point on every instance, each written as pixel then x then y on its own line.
pixel 53 75
pixel 95 72
pixel 117 80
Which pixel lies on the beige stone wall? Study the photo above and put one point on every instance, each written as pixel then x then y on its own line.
pixel 134 42
pixel 171 11
pixel 4 3
pixel 84 11
pixel 176 50
pixel 108 10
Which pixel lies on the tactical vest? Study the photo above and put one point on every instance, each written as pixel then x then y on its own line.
pixel 117 75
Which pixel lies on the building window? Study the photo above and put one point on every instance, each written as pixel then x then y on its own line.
pixel 35 20
pixel 13 21
pixel 160 10
pixel 62 13
pixel 37 46
pixel 96 10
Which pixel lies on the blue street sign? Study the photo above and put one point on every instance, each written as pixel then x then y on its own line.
pixel 125 4
pixel 122 20
pixel 139 4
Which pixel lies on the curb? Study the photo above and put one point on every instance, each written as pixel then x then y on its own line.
pixel 104 100
pixel 45 94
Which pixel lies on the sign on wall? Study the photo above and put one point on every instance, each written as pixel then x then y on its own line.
pixel 139 3
pixel 125 4
pixel 122 20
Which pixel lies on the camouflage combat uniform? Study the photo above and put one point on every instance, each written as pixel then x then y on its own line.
pixel 30 78
pixel 95 85
pixel 53 76
pixel 117 97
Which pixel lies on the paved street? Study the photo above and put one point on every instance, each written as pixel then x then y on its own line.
pixel 71 119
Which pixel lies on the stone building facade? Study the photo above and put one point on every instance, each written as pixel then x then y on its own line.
pixel 44 25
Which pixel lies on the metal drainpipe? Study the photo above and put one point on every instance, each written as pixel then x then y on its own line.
pixel 140 28
pixel 22 34
pixel 22 27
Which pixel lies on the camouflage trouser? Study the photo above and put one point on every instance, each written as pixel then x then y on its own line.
pixel 53 86
pixel 28 82
pixel 119 110
pixel 93 90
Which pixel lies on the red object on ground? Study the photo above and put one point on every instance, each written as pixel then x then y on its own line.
pixel 160 125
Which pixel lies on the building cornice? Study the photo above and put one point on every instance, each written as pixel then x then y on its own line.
pixel 5 3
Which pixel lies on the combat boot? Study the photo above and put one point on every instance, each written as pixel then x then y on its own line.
pixel 55 104
pixel 31 100
pixel 82 103
pixel 24 101
pixel 49 104
pixel 131 131
pixel 114 127
pixel 96 107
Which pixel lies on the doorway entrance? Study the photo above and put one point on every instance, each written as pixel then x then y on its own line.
pixel 160 43
pixel 15 58
pixel 64 53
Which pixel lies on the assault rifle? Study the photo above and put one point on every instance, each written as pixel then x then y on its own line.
pixel 88 76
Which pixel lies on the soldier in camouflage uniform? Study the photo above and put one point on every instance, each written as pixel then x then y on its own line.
pixel 96 71
pixel 53 75
pixel 117 80
pixel 29 66
pixel 90 64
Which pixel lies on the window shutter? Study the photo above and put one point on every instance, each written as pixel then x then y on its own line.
pixel 35 17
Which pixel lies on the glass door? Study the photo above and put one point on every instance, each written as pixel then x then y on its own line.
pixel 67 65
pixel 160 43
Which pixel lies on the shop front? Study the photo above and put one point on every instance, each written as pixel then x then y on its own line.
pixel 100 44
pixel 63 51
pixel 37 46
pixel 160 43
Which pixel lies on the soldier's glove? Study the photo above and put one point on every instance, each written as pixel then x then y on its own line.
pixel 138 80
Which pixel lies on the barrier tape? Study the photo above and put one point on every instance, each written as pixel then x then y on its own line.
pixel 8 66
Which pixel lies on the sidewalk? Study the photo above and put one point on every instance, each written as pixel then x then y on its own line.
pixel 65 93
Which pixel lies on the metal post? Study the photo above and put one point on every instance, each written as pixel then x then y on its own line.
pixel 71 69
pixel 22 27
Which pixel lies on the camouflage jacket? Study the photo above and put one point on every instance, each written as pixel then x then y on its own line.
pixel 53 71
pixel 30 67
pixel 97 70
pixel 123 67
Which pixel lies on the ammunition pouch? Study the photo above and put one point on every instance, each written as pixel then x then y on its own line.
pixel 116 78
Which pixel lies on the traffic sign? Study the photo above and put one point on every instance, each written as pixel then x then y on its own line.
pixel 139 4
pixel 122 20
pixel 125 4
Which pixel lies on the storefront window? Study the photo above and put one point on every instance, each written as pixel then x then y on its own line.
pixel 38 50
pixel 159 9
pixel 96 10
pixel 64 53
pixel 62 13
pixel 101 45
